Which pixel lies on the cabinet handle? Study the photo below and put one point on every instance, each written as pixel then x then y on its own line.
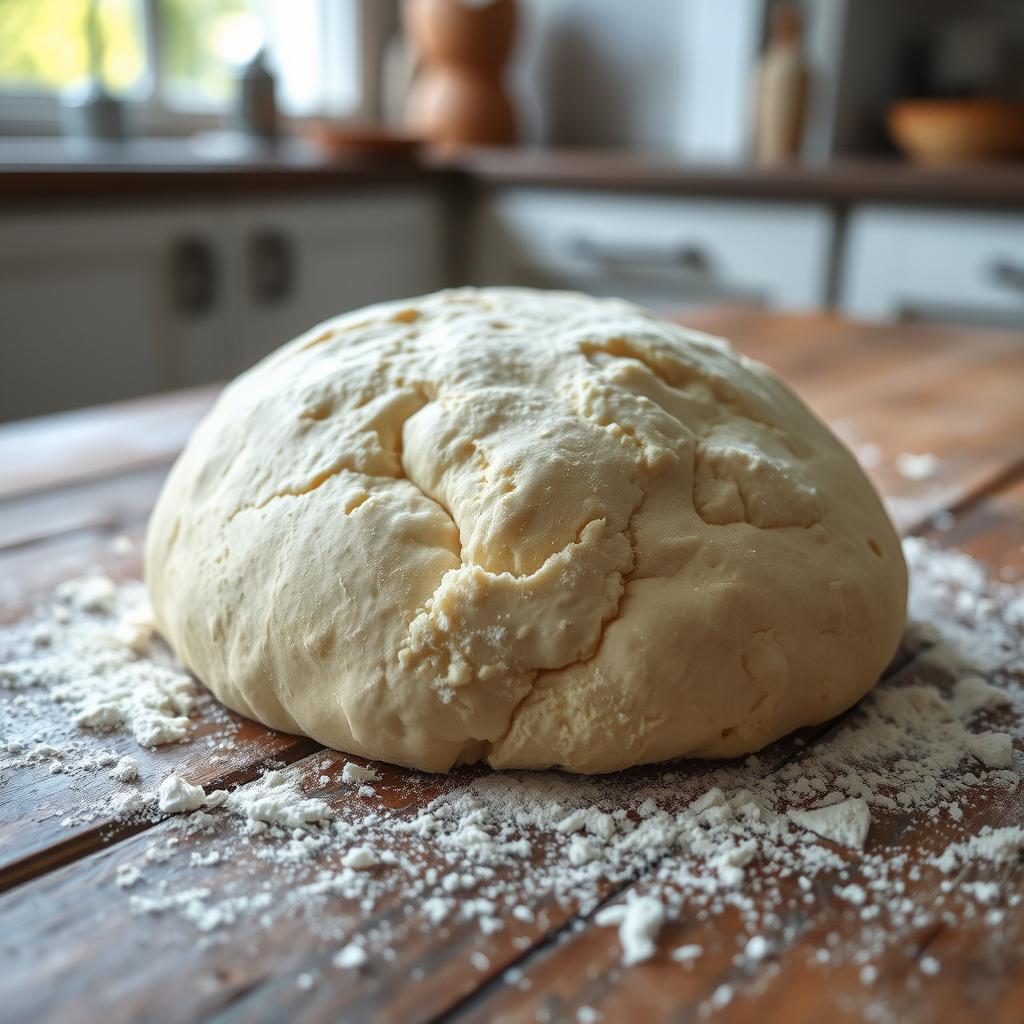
pixel 271 267
pixel 193 276
pixel 687 257
pixel 1008 274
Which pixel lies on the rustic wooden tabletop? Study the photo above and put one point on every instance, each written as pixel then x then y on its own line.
pixel 70 484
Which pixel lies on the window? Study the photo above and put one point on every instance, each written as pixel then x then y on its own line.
pixel 201 43
pixel 177 60
pixel 49 44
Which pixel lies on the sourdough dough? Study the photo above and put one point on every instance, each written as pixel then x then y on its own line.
pixel 525 527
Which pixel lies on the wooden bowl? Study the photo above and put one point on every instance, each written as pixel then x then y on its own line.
pixel 340 139
pixel 957 131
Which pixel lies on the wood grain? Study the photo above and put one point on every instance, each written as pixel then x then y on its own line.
pixel 584 970
pixel 50 819
pixel 74 446
pixel 53 533
pixel 72 484
pixel 264 989
pixel 109 506
pixel 918 390
pixel 225 748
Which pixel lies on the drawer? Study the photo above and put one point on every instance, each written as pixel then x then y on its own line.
pixel 917 264
pixel 336 254
pixel 660 251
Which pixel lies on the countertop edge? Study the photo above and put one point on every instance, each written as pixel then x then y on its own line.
pixel 839 183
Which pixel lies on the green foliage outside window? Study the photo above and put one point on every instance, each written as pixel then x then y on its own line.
pixel 45 45
pixel 201 44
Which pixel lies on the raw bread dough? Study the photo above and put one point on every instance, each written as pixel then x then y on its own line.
pixel 523 527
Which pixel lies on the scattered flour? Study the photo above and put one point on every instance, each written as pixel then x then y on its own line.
pixel 639 921
pixel 175 795
pixel 126 770
pixel 274 800
pixel 688 954
pixel 917 467
pixel 82 660
pixel 999 846
pixel 352 957
pixel 127 875
pixel 766 838
pixel 360 858
pixel 89 593
pixel 846 823
pixel 354 773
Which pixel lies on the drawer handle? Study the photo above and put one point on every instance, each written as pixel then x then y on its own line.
pixel 686 257
pixel 271 267
pixel 193 276
pixel 1008 274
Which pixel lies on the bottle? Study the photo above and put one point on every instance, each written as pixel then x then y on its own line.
pixel 257 107
pixel 89 112
pixel 781 86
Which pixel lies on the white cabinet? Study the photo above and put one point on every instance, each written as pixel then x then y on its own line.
pixel 106 304
pixel 662 251
pixel 89 310
pixel 301 262
pixel 928 264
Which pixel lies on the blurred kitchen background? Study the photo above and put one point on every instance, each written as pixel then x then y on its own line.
pixel 186 184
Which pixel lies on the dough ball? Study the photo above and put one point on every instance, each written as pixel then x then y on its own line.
pixel 523 527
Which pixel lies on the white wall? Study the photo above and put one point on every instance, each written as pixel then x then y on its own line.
pixel 658 75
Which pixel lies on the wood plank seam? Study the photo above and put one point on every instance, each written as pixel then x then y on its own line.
pixel 983 486
pixel 898 668
pixel 541 948
pixel 99 530
pixel 1000 481
pixel 114 503
pixel 75 849
pixel 125 470
pixel 110 833
pixel 537 952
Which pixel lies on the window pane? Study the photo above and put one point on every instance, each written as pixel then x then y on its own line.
pixel 314 49
pixel 202 44
pixel 45 44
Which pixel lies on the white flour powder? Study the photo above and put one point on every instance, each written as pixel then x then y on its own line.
pixel 85 656
pixel 522 849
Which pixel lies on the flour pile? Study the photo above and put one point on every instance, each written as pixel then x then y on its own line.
pixel 815 824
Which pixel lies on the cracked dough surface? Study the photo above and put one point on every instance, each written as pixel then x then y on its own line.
pixel 524 527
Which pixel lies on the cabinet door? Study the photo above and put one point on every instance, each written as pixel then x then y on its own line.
pixel 942 265
pixel 103 305
pixel 661 251
pixel 302 261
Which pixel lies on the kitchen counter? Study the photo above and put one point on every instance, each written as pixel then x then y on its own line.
pixel 32 169
pixel 75 951
pixel 211 164
pixel 837 182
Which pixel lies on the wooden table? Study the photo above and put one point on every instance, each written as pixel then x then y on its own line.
pixel 70 484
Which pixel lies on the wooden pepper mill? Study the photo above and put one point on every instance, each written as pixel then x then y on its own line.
pixel 457 96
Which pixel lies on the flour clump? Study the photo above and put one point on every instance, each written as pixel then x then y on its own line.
pixel 528 528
